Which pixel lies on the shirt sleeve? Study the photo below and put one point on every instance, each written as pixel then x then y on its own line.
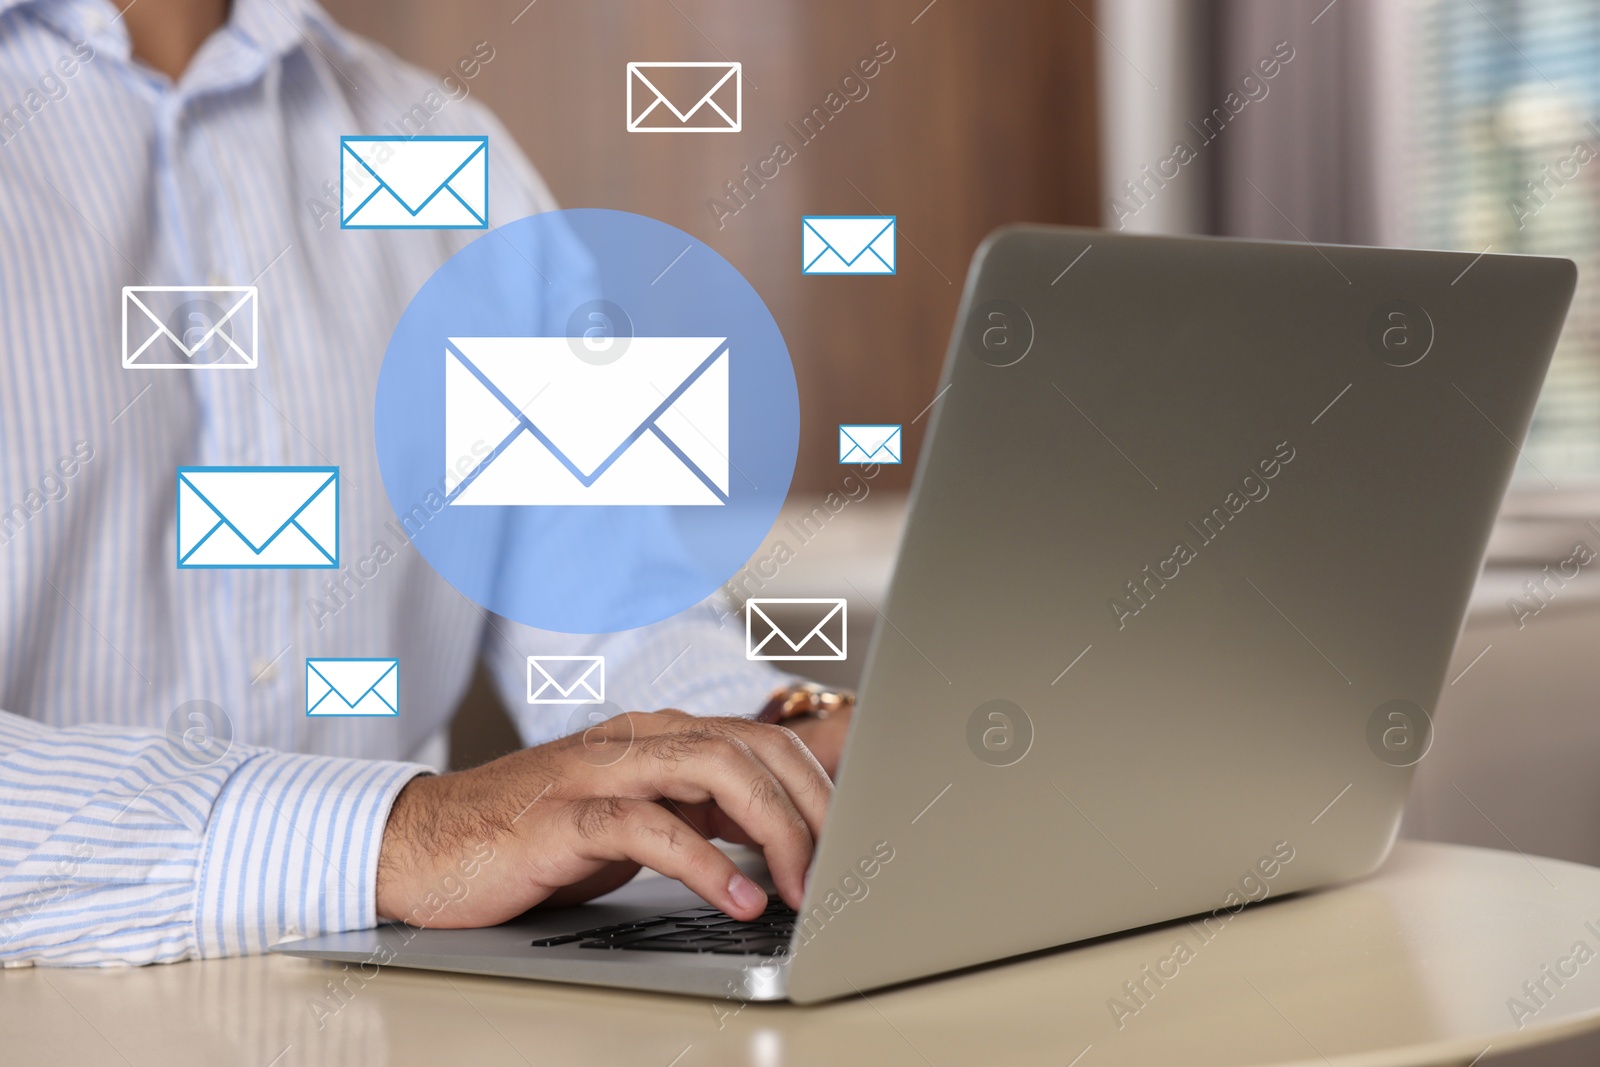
pixel 121 846
pixel 693 661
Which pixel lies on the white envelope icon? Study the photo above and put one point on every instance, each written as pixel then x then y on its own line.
pixel 650 427
pixel 685 97
pixel 189 327
pixel 258 517
pixel 352 686
pixel 566 679
pixel 820 622
pixel 869 444
pixel 847 244
pixel 414 183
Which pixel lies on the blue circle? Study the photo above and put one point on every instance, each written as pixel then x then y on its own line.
pixel 499 503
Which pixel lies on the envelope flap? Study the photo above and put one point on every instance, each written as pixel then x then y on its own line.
pixel 870 438
pixel 684 87
pixel 849 237
pixel 799 621
pixel 587 410
pixel 260 505
pixel 351 679
pixel 567 674
pixel 412 169
pixel 193 319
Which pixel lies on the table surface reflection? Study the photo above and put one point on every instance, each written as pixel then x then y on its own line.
pixel 1415 965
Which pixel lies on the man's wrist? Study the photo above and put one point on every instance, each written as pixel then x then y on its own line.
pixel 805 700
pixel 401 849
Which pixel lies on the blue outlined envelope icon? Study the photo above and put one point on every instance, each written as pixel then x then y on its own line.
pixel 847 244
pixel 414 183
pixel 352 686
pixel 258 517
pixel 646 428
pixel 869 444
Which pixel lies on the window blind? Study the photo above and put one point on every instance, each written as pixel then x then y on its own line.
pixel 1506 98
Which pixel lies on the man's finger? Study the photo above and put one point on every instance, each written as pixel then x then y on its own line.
pixel 629 829
pixel 793 764
pixel 705 762
pixel 786 756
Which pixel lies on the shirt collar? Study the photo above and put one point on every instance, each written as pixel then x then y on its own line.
pixel 258 35
pixel 94 21
pixel 278 27
pixel 262 30
pixel 8 5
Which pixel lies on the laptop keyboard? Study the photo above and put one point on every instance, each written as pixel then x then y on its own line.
pixel 695 930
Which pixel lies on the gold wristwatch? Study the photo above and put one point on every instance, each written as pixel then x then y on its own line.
pixel 802 700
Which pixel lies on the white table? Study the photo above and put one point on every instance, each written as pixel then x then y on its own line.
pixel 1412 966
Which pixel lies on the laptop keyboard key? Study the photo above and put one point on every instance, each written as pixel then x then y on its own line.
pixel 767 946
pixel 551 942
pixel 619 928
pixel 621 939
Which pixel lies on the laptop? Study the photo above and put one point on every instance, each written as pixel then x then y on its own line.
pixel 1189 545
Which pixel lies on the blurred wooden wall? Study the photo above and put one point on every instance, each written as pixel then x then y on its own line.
pixel 986 114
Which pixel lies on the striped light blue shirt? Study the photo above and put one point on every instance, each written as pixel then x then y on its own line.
pixel 115 847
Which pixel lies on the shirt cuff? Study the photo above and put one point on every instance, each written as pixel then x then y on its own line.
pixel 291 850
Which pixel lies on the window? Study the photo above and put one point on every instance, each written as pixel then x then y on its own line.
pixel 1507 156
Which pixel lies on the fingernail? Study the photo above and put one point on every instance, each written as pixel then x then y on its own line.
pixel 745 893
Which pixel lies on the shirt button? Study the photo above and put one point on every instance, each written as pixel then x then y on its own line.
pixel 262 671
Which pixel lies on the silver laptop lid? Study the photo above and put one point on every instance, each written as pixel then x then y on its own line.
pixel 1191 540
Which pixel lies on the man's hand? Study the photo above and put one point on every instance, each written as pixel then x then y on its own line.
pixel 575 818
pixel 824 737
